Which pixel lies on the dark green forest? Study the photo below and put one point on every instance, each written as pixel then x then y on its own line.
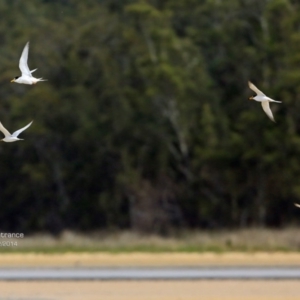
pixel 144 123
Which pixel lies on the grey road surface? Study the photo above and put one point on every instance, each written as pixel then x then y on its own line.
pixel 183 273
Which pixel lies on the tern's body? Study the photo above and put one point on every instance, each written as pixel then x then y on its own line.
pixel 265 100
pixel 9 138
pixel 26 77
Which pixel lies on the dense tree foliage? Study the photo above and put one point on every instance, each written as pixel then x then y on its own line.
pixel 144 121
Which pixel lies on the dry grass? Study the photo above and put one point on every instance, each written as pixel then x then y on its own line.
pixel 152 290
pixel 200 241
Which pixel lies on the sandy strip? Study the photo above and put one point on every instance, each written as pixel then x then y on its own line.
pixel 148 259
pixel 151 290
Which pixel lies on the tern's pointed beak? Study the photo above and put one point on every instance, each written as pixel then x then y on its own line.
pixel 251 98
pixel 13 80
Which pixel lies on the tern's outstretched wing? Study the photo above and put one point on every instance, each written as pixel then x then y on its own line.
pixel 23 61
pixel 4 130
pixel 16 133
pixel 266 107
pixel 255 89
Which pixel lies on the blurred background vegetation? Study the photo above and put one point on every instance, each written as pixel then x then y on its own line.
pixel 144 122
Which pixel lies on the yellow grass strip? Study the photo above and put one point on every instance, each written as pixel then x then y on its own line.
pixel 149 259
pixel 152 290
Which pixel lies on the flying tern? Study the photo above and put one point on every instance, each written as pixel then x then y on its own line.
pixel 12 137
pixel 265 100
pixel 26 77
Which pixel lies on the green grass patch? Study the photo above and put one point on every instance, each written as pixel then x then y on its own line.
pixel 246 240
